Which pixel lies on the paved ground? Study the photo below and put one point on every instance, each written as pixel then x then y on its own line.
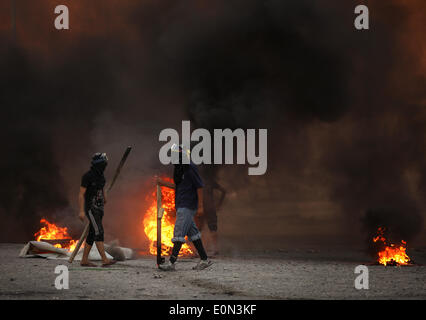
pixel 295 274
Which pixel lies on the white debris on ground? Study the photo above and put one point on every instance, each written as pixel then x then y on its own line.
pixel 46 250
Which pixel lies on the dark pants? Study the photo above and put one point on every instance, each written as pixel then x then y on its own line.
pixel 96 230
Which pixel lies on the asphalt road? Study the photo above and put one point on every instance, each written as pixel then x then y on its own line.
pixel 295 274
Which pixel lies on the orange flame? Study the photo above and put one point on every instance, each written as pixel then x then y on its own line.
pixel 52 232
pixel 167 223
pixel 391 254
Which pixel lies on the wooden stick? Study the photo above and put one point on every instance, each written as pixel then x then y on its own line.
pixel 120 165
pixel 167 184
pixel 160 212
pixel 80 242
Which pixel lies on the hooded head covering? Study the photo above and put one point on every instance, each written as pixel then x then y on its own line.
pixel 99 162
pixel 180 167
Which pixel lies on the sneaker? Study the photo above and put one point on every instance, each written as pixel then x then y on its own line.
pixel 202 264
pixel 167 266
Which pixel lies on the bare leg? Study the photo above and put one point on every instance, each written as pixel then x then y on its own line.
pixel 101 249
pixel 86 251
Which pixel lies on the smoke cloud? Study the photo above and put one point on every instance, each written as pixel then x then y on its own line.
pixel 344 110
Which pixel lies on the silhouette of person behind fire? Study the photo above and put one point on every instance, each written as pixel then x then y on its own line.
pixel 209 214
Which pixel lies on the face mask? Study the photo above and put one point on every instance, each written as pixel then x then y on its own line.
pixel 102 166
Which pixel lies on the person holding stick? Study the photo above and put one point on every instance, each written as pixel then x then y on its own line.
pixel 188 200
pixel 91 201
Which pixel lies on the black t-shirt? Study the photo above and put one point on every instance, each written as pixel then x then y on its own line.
pixel 94 184
pixel 186 191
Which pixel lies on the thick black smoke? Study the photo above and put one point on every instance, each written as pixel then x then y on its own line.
pixel 286 66
pixel 30 174
pixel 343 107
pixel 258 67
pixel 35 103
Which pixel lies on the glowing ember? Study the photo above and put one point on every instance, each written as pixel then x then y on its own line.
pixel 167 225
pixel 391 254
pixel 52 232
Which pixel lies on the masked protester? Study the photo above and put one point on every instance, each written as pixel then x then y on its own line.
pixel 188 200
pixel 92 200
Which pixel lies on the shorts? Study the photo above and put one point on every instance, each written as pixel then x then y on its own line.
pixel 185 226
pixel 96 229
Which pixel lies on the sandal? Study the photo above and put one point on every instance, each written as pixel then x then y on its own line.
pixel 88 264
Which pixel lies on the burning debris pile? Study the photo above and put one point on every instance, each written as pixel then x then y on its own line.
pixel 168 221
pixel 56 236
pixel 390 254
pixel 54 242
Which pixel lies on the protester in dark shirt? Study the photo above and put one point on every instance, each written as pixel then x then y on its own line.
pixel 91 200
pixel 188 200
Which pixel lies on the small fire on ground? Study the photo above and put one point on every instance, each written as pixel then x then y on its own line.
pixel 167 223
pixel 390 253
pixel 54 234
